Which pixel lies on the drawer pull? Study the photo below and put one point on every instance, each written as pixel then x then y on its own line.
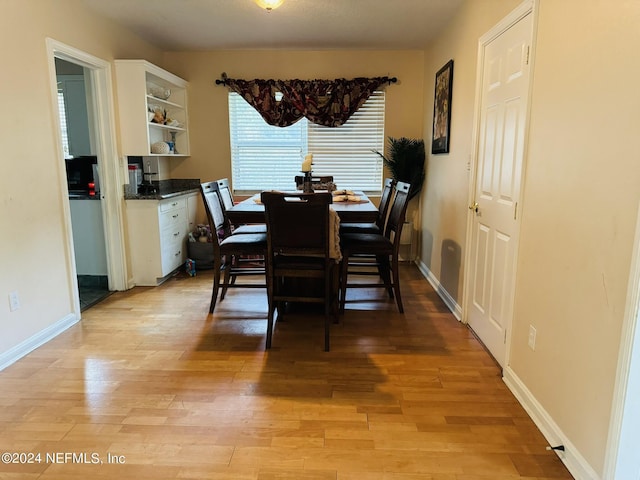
pixel 176 216
pixel 176 234
pixel 178 253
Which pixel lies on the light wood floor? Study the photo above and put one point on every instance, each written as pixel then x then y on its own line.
pixel 151 379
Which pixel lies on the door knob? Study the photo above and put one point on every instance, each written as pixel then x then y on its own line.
pixel 474 207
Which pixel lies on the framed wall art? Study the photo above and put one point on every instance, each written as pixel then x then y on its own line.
pixel 442 109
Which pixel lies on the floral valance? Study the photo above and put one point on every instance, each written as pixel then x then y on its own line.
pixel 324 102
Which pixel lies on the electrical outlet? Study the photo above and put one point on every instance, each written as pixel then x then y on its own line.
pixel 532 337
pixel 14 301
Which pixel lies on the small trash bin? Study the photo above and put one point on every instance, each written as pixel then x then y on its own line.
pixel 201 253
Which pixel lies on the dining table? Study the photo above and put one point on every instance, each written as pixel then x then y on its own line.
pixel 361 211
pixel 355 207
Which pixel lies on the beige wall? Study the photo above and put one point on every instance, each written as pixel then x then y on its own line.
pixel 208 108
pixel 444 198
pixel 33 260
pixel 581 195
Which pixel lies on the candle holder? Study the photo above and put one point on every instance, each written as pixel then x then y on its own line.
pixel 307 186
pixel 173 141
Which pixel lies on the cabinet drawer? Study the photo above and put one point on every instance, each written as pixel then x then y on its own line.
pixel 173 204
pixel 172 219
pixel 172 254
pixel 173 233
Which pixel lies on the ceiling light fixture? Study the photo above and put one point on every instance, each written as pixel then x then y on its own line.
pixel 269 5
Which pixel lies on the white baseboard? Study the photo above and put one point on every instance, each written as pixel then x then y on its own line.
pixel 573 460
pixel 40 338
pixel 571 457
pixel 435 283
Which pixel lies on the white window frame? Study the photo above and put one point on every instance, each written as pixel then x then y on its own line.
pixel 265 157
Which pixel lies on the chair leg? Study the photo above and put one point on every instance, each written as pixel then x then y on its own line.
pixel 235 263
pixel 227 273
pixel 327 336
pixel 343 280
pixel 396 283
pixel 328 283
pixel 270 325
pixel 385 274
pixel 216 286
pixel 335 293
pixel 271 306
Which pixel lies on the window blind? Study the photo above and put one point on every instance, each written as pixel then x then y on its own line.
pixel 62 111
pixel 267 157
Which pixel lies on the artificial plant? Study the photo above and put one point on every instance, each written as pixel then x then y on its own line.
pixel 406 162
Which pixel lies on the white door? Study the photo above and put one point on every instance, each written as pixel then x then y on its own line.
pixel 495 224
pixel 623 461
pixel 628 460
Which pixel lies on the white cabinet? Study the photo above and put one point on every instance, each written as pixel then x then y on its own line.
pixel 158 231
pixel 138 83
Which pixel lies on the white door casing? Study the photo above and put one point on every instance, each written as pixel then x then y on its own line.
pixel 504 61
pixel 102 112
pixel 622 459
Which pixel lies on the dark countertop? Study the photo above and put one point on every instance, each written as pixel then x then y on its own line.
pixel 168 188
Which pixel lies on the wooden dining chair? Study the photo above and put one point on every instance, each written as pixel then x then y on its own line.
pixel 385 247
pixel 226 196
pixel 361 264
pixel 383 210
pixel 298 254
pixel 227 247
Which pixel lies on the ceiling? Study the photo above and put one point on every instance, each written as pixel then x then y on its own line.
pixel 188 25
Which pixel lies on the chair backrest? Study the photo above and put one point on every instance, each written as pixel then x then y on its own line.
pixel 318 182
pixel 397 213
pixel 225 193
pixel 215 213
pixel 385 201
pixel 297 223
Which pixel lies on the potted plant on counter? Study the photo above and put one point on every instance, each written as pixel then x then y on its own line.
pixel 406 162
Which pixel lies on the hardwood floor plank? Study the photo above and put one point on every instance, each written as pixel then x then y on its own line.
pixel 152 379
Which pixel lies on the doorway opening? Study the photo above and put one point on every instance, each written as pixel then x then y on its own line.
pixel 89 174
pixel 82 166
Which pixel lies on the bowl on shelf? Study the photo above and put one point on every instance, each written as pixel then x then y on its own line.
pixel 159 92
pixel 161 148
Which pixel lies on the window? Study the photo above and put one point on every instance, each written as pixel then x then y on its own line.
pixel 267 157
pixel 62 110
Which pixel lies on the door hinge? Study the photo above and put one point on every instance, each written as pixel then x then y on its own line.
pixel 528 50
pixel 505 336
pixel 515 211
